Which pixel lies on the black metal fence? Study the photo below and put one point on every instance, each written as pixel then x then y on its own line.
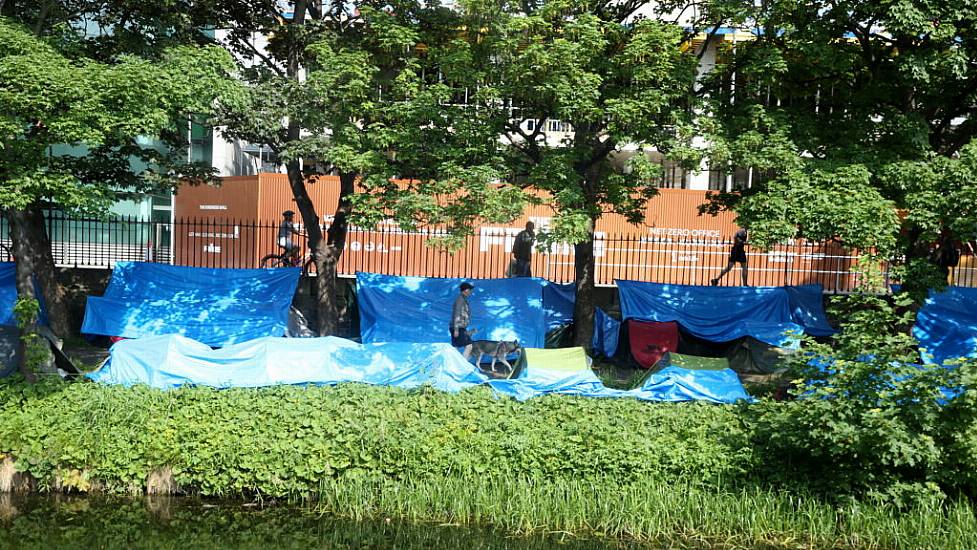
pixel 100 243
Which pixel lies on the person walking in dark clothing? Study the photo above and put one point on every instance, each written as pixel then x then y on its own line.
pixel 461 316
pixel 737 254
pixel 522 252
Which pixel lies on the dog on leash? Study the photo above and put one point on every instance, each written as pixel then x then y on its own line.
pixel 496 350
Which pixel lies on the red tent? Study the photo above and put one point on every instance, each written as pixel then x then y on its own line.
pixel 650 341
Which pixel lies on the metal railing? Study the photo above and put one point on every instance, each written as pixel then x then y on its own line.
pixel 100 243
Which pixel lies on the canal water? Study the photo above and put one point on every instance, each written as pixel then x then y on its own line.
pixel 91 522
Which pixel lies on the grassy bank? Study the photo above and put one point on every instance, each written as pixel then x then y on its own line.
pixel 622 469
pixel 651 511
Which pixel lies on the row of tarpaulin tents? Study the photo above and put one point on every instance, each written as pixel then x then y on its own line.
pixel 226 328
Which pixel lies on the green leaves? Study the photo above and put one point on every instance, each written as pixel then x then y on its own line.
pixel 69 128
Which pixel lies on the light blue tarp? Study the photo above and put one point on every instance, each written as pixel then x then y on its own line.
pixel 8 296
pixel 946 325
pixel 607 330
pixel 722 314
pixel 215 306
pixel 172 361
pixel 418 309
pixel 671 384
pixel 678 384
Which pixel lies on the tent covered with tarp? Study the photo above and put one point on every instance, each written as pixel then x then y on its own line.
pixel 722 314
pixel 648 342
pixel 543 371
pixel 215 306
pixel 418 309
pixel 946 325
pixel 691 378
pixel 171 361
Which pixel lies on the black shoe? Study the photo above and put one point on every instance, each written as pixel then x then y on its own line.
pixel 714 282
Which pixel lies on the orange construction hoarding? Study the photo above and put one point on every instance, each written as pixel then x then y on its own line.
pixel 236 224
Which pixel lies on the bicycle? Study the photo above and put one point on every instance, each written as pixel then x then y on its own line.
pixel 284 259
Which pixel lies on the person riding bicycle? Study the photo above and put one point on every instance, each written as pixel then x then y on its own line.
pixel 285 232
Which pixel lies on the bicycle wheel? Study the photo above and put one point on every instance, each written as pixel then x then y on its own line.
pixel 308 268
pixel 273 260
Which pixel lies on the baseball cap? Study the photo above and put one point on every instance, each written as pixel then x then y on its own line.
pixel 466 286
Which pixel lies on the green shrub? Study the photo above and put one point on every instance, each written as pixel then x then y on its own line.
pixel 285 440
pixel 867 419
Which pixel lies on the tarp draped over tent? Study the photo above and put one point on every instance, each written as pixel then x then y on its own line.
pixel 946 325
pixel 675 383
pixel 607 330
pixel 172 361
pixel 215 306
pixel 565 371
pixel 722 314
pixel 418 309
pixel 650 341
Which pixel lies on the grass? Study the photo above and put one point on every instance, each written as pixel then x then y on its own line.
pixel 652 512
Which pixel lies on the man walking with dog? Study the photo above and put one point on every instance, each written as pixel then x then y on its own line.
pixel 461 316
pixel 522 252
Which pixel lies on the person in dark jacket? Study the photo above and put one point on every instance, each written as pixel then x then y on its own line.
pixel 737 254
pixel 461 316
pixel 522 252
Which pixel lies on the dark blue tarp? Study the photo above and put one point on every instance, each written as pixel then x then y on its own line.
pixel 946 325
pixel 418 309
pixel 172 361
pixel 558 301
pixel 722 314
pixel 8 293
pixel 8 296
pixel 606 333
pixel 214 306
pixel 807 309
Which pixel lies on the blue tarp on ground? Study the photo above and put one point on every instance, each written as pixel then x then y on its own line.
pixel 418 309
pixel 607 330
pixel 946 325
pixel 215 306
pixel 172 361
pixel 678 384
pixel 722 314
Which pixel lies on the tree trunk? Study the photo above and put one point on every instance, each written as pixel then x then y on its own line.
pixel 328 259
pixel 39 249
pixel 583 309
pixel 19 229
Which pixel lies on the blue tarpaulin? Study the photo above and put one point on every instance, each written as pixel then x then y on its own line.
pixel 8 296
pixel 722 314
pixel 946 325
pixel 215 306
pixel 418 309
pixel 678 384
pixel 558 301
pixel 606 333
pixel 172 361
pixel 807 309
